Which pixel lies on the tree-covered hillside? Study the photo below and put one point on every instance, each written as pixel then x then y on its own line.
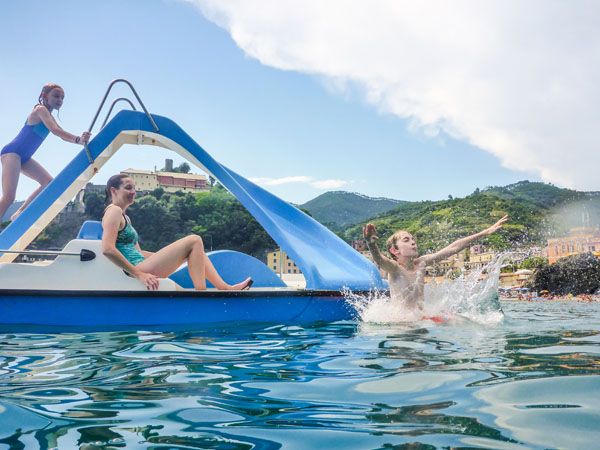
pixel 541 194
pixel 536 210
pixel 338 208
pixel 217 216
pixel 161 218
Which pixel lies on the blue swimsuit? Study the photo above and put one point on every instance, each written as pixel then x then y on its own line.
pixel 27 141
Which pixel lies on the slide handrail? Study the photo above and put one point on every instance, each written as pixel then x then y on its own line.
pixel 128 83
pixel 120 99
pixel 110 86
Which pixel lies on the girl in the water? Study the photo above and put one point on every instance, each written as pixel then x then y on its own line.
pixel 16 156
pixel 406 269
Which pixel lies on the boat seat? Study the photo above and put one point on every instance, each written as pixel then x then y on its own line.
pixel 69 273
pixel 90 229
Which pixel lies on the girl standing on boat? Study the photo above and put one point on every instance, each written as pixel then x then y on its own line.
pixel 120 245
pixel 16 156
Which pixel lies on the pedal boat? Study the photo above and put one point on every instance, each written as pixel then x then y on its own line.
pixel 95 293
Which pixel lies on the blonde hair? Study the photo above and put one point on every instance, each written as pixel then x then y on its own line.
pixel 391 242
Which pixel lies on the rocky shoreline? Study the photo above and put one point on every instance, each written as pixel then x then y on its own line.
pixel 589 298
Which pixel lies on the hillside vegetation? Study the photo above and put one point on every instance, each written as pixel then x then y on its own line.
pixel 339 209
pixel 161 218
pixel 536 210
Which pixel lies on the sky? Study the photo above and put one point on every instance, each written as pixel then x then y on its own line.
pixel 397 99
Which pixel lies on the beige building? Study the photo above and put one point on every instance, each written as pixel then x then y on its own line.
pixel 148 180
pixel 280 263
pixel 579 240
pixel 448 265
pixel 515 279
pixel 360 245
pixel 479 260
pixel 479 257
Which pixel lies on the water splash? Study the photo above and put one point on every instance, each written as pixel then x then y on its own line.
pixel 472 296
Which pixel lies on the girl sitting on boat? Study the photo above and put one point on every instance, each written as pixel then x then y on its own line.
pixel 120 245
pixel 16 156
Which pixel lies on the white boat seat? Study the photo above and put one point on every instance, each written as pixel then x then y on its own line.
pixel 69 273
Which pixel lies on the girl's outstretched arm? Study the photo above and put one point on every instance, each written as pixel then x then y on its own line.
pixel 44 115
pixel 383 262
pixel 461 244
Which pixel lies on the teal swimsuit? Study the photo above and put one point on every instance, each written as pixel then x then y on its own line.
pixel 127 238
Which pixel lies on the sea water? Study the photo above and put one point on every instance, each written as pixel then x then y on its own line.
pixel 501 375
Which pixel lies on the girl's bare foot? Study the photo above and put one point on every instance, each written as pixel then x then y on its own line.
pixel 16 214
pixel 243 285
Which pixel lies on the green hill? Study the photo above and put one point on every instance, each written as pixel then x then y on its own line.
pixel 541 194
pixel 536 210
pixel 340 209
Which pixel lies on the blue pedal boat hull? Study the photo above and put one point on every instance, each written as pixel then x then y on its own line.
pixel 110 309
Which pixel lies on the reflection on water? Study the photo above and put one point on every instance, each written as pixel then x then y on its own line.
pixel 528 381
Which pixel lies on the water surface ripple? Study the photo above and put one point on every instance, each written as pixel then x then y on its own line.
pixel 530 381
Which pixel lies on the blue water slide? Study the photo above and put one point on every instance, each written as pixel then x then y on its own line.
pixel 326 261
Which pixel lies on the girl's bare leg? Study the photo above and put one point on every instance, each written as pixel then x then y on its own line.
pixel 35 171
pixel 165 261
pixel 197 266
pixel 213 276
pixel 168 259
pixel 11 169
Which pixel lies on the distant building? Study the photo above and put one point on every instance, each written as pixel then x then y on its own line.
pixel 448 265
pixel 479 260
pixel 280 263
pixel 477 249
pixel 99 189
pixel 360 245
pixel 148 180
pixel 579 240
pixel 515 279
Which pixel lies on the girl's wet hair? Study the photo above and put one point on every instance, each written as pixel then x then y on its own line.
pixel 45 91
pixel 114 182
pixel 393 239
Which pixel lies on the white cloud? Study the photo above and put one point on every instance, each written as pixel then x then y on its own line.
pixel 265 181
pixel 318 184
pixel 518 79
pixel 329 184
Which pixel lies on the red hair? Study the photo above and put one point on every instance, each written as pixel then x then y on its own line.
pixel 45 91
